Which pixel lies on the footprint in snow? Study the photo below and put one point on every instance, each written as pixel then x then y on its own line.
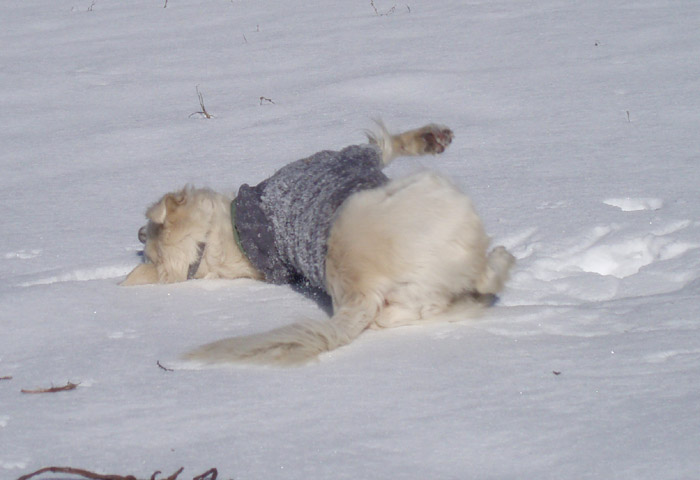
pixel 635 204
pixel 667 355
pixel 126 334
pixel 22 255
pixel 627 256
pixel 12 465
pixel 81 275
pixel 595 266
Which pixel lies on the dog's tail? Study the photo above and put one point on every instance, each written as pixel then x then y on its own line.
pixel 381 137
pixel 294 344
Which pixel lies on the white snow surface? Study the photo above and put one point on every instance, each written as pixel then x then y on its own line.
pixel 577 136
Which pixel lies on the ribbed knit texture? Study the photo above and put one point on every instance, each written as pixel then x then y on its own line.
pixel 283 223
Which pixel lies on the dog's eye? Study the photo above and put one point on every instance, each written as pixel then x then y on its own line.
pixel 142 235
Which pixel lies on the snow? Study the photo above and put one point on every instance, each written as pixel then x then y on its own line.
pixel 576 130
pixel 635 204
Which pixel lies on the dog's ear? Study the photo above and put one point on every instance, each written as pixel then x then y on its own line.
pixel 144 274
pixel 158 212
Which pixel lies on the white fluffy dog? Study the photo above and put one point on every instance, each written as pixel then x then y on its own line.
pixel 388 252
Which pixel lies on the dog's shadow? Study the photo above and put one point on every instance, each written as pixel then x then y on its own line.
pixel 322 299
pixel 299 285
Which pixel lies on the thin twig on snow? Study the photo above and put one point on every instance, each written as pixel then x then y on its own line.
pixel 65 388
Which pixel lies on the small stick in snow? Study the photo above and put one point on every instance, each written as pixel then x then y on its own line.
pixel 389 12
pixel 203 112
pixel 171 477
pixel 210 474
pixel 65 388
pixel 9 377
pixel 265 99
pixel 164 368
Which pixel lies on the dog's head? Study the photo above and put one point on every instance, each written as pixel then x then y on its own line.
pixel 174 237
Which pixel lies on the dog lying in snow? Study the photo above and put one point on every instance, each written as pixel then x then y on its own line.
pixel 388 252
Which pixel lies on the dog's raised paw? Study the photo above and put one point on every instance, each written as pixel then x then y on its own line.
pixel 436 138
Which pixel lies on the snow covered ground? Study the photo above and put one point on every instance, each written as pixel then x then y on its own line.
pixel 576 135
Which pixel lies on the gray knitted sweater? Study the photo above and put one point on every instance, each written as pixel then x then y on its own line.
pixel 283 223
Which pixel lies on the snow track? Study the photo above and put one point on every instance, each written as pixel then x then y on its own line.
pixel 630 251
pixel 81 275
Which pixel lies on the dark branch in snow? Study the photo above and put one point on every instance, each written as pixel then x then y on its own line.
pixel 77 471
pixel 210 474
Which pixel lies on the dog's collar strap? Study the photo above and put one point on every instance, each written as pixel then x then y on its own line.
pixel 192 270
pixel 236 235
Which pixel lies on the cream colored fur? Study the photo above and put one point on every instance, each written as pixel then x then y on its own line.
pixel 177 223
pixel 407 252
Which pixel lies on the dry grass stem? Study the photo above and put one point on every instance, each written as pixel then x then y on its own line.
pixel 203 112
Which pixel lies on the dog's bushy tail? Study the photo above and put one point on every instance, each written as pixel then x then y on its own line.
pixel 294 344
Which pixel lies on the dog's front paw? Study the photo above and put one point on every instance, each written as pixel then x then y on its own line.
pixel 436 138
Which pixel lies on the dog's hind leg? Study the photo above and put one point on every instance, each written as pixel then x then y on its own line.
pixel 499 263
pixel 417 245
pixel 428 140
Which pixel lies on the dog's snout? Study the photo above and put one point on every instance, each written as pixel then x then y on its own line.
pixel 142 235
